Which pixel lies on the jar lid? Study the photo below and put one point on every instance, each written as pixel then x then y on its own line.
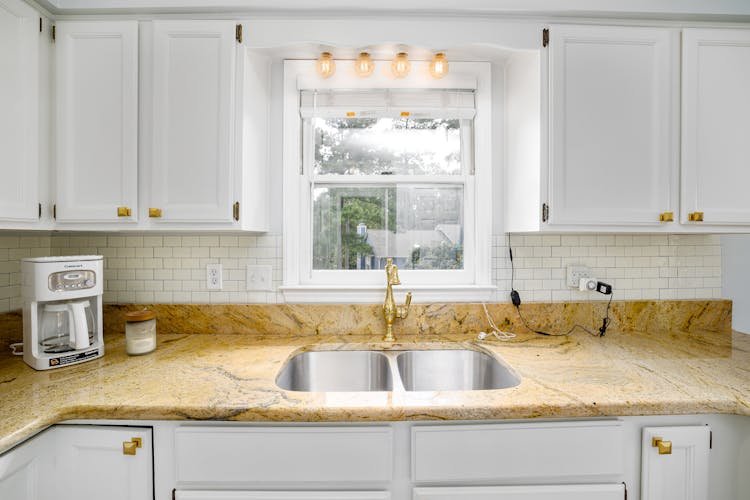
pixel 137 316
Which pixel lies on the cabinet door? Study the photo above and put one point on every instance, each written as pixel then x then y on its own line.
pixel 547 492
pixel 282 495
pixel 97 121
pixel 192 175
pixel 679 469
pixel 19 169
pixel 613 131
pixel 21 473
pixel 92 464
pixel 715 128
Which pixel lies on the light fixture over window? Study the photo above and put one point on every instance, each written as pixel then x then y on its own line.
pixel 400 65
pixel 325 65
pixel 364 65
pixel 439 66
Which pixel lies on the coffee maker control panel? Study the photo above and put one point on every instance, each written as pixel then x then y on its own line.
pixel 66 281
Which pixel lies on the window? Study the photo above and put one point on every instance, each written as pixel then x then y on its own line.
pixel 390 170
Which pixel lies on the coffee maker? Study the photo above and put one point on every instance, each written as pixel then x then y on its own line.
pixel 62 310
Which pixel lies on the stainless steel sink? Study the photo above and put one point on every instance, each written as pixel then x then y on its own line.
pixel 336 371
pixel 453 370
pixel 431 370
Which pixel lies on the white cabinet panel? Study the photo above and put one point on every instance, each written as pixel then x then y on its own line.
pixel 276 455
pixel 20 473
pixel 613 142
pixel 550 492
pixel 19 84
pixel 97 121
pixel 192 175
pixel 681 474
pixel 715 125
pixel 282 495
pixel 91 464
pixel 453 453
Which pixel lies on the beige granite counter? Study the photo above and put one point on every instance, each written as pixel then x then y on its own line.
pixel 231 377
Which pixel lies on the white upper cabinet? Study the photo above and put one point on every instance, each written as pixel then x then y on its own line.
pixel 19 129
pixel 715 126
pixel 612 142
pixel 193 98
pixel 97 121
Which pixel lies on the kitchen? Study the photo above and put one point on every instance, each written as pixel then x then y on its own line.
pixel 178 141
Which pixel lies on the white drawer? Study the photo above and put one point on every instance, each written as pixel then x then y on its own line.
pixel 282 495
pixel 549 492
pixel 552 450
pixel 236 456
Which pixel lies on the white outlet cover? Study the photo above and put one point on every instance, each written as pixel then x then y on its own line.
pixel 575 273
pixel 214 279
pixel 259 278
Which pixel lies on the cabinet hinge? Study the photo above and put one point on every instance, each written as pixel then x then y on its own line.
pixel 40 210
pixel 174 493
pixel 238 33
pixel 40 25
pixel 236 210
pixel 545 37
pixel 545 212
pixel 54 33
pixel 625 493
pixel 710 440
pixel 54 211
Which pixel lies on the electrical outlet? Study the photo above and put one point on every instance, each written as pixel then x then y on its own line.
pixel 213 277
pixel 259 278
pixel 576 273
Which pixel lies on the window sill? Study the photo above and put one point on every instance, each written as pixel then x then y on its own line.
pixel 328 294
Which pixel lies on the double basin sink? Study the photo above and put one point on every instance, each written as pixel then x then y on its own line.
pixel 430 370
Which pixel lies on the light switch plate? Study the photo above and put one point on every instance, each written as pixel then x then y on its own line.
pixel 259 278
pixel 214 279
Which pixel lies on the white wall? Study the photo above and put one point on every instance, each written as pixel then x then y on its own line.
pixel 735 252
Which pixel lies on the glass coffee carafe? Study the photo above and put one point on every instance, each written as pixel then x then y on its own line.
pixel 66 326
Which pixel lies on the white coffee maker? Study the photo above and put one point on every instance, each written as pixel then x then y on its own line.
pixel 62 310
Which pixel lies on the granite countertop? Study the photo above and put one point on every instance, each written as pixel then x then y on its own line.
pixel 231 377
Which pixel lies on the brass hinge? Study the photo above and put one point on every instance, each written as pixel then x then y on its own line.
pixel 54 33
pixel 40 25
pixel 236 210
pixel 40 210
pixel 545 212
pixel 54 211
pixel 545 37
pixel 238 33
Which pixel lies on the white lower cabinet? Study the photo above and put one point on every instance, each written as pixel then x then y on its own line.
pixel 282 495
pixel 675 463
pixel 546 492
pixel 22 471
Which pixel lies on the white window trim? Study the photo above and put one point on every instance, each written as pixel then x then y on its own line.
pixel 298 288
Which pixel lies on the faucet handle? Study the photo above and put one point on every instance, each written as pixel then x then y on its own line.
pixel 403 311
pixel 408 300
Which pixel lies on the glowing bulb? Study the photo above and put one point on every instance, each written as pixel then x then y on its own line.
pixel 325 65
pixel 439 66
pixel 364 65
pixel 400 65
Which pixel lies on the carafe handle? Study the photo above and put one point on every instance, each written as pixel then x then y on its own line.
pixel 79 339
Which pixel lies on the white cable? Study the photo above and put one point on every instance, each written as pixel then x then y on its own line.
pixel 14 349
pixel 496 332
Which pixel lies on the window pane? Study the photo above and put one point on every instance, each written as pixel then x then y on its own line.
pixel 420 227
pixel 382 146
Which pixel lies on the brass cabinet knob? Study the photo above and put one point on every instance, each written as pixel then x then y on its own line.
pixel 130 447
pixel 695 216
pixel 123 211
pixel 154 212
pixel 666 217
pixel 665 447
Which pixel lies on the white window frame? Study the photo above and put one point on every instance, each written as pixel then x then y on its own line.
pixel 301 283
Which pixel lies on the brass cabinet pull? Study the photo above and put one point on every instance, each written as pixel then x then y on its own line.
pixel 154 212
pixel 666 217
pixel 129 447
pixel 695 217
pixel 665 447
pixel 123 211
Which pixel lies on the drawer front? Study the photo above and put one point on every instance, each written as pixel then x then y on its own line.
pixel 541 451
pixel 549 492
pixel 266 455
pixel 282 495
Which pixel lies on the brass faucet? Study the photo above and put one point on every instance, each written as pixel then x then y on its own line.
pixel 390 310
